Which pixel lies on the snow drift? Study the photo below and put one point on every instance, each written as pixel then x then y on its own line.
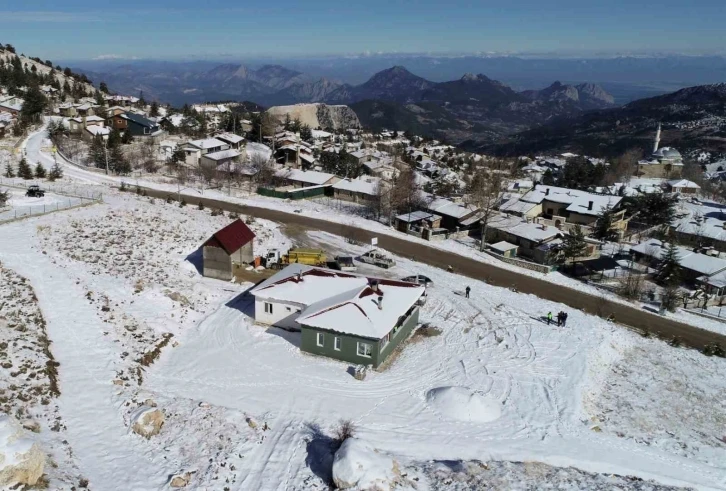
pixel 357 465
pixel 21 460
pixel 464 405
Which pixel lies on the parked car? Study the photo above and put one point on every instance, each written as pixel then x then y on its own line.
pixel 420 279
pixel 345 263
pixel 379 258
pixel 34 191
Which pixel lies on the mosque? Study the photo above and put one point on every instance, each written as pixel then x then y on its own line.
pixel 665 162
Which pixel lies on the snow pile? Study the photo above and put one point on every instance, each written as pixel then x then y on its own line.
pixel 357 465
pixel 462 404
pixel 147 421
pixel 21 460
pixel 263 151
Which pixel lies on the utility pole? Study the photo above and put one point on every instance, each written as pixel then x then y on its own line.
pixel 105 153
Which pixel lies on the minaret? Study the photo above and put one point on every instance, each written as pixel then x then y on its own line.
pixel 657 139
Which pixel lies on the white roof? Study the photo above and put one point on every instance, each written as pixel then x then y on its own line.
pixel 700 263
pixel 306 176
pixel 516 205
pixel 96 130
pixel 89 119
pixel 230 137
pixel 364 185
pixel 503 246
pixel 443 206
pixel 578 201
pixel 521 228
pixel 222 154
pixel 207 143
pixel 321 134
pixel 683 183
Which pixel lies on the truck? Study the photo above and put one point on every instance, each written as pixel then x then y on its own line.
pixel 34 191
pixel 312 257
pixel 378 257
pixel 345 263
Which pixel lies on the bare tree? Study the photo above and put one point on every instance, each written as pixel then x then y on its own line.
pixel 485 192
pixel 379 205
pixel 263 170
pixel 405 195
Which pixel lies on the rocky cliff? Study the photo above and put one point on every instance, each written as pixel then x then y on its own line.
pixel 318 115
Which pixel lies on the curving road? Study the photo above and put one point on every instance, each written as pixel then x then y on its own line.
pixel 624 314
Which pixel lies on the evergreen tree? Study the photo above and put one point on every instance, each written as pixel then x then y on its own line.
pixel 604 226
pixel 103 87
pixel 652 208
pixel 669 268
pixel 4 196
pixel 9 171
pixel 24 170
pixel 99 98
pixel 118 162
pixel 306 134
pixel 178 156
pixel 114 138
pixel 40 171
pixel 97 152
pixel 154 111
pixel 34 105
pixel 127 137
pixel 573 244
pixel 56 172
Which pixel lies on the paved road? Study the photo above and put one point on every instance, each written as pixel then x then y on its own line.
pixel 624 314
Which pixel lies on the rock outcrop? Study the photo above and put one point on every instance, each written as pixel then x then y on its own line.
pixel 318 115
pixel 147 421
pixel 21 459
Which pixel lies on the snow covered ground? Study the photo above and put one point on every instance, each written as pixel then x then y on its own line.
pixel 134 326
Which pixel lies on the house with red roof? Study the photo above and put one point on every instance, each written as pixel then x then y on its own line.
pixel 228 250
pixel 340 315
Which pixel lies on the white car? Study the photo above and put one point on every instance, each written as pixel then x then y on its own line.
pixel 377 258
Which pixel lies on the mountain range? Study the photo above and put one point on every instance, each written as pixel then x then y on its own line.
pixel 693 119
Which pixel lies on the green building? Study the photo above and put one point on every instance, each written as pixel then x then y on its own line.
pixel 344 316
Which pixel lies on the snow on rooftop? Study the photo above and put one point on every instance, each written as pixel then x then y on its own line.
pixel 306 176
pixel 364 185
pixel 700 263
pixel 207 143
pixel 443 206
pixel 230 137
pixel 683 183
pixel 222 154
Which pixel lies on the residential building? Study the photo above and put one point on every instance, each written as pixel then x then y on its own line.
pixel 195 149
pixel 682 186
pixel 228 250
pixel 532 240
pixel 340 315
pixel 91 132
pixel 360 190
pixel 234 141
pixel 78 124
pixel 455 216
pixel 224 160
pixel 306 178
pixel 11 105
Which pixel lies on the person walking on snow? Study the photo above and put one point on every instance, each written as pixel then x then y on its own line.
pixel 559 318
pixel 564 319
pixel 468 289
pixel 549 318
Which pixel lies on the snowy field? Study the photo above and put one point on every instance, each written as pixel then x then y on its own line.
pixel 497 399
pixel 20 205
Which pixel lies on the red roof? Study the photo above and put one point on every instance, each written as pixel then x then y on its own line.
pixel 231 237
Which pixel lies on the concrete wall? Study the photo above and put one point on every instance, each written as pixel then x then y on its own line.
pixel 217 264
pixel 283 313
pixel 244 255
pixel 664 171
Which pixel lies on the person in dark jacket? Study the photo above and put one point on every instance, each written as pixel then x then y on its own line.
pixel 468 289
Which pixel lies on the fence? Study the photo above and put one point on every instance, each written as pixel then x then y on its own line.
pixel 37 210
pixel 294 194
pixel 64 189
pixel 540 268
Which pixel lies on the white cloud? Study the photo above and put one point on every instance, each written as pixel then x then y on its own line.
pixel 46 16
pixel 114 57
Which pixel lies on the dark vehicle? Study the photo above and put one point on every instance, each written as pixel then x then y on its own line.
pixel 34 191
pixel 345 263
pixel 420 279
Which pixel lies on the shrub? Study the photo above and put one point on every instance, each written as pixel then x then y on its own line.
pixel 233 215
pixel 675 341
pixel 200 205
pixel 714 349
pixel 182 203
pixel 345 429
pixel 138 190
pixel 169 199
pixel 122 187
pixel 217 212
pixel 428 331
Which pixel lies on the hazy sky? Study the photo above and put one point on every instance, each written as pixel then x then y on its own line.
pixel 75 29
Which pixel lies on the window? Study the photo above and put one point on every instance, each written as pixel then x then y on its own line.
pixel 321 339
pixel 289 309
pixel 268 308
pixel 364 349
pixel 337 343
pixel 384 341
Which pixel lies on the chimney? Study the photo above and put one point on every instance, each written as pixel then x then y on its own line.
pixel 589 205
pixel 380 302
pixel 299 277
pixel 547 192
pixel 374 286
pixel 657 139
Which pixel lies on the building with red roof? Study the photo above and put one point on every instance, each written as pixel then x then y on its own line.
pixel 227 250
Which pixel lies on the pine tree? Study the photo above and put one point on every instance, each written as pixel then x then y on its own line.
pixel 114 138
pixel 604 227
pixel 573 244
pixel 154 111
pixel 9 171
pixel 118 162
pixel 127 137
pixel 40 171
pixel 669 268
pixel 56 172
pixel 24 170
pixel 97 153
pixel 4 196
pixel 103 87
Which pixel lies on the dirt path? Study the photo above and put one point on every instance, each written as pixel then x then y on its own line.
pixel 624 314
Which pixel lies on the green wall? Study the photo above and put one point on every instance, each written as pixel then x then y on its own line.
pixel 349 344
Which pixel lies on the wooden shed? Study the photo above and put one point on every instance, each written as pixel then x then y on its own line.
pixel 228 250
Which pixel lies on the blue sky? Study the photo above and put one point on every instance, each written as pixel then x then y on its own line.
pixel 75 29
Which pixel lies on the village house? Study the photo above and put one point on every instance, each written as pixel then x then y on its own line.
pixel 295 154
pixel 91 132
pixel 704 228
pixel 234 141
pixel 531 240
pixel 305 178
pixel 11 105
pixel 360 190
pixel 228 250
pixel 224 160
pixel 682 186
pixel 195 149
pixel 343 316
pixel 421 224
pixel 455 216
pixel 699 270
pixel 78 124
